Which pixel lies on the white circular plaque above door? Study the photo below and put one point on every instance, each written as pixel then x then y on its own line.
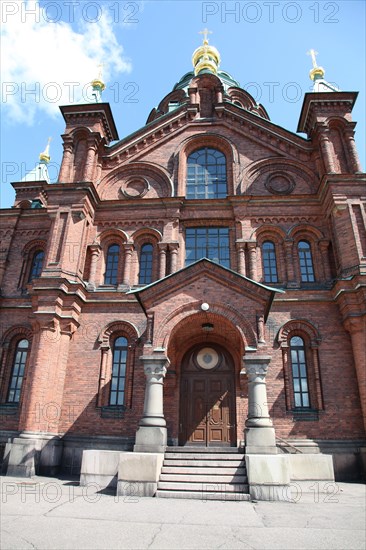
pixel 207 358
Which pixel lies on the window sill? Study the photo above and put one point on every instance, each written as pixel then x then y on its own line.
pixel 113 411
pixel 7 409
pixel 305 415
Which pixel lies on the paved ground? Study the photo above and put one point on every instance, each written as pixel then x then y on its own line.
pixel 45 513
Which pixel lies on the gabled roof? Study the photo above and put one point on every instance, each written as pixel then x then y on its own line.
pixel 183 277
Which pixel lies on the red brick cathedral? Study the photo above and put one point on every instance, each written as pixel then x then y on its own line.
pixel 199 283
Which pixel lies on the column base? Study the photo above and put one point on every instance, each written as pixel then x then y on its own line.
pixel 260 441
pixel 28 456
pixel 150 439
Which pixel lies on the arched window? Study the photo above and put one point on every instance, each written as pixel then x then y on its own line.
pixel 37 265
pixel 306 262
pixel 146 261
pixel 299 372
pixel 269 262
pixel 17 373
pixel 206 174
pixel 111 267
pixel 118 380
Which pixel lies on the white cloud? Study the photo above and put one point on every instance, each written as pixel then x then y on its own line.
pixel 41 58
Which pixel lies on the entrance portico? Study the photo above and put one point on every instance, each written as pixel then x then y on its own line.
pixel 203 341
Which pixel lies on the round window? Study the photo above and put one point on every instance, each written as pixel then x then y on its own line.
pixel 207 358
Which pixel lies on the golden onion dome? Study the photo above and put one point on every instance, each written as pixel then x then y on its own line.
pixel 316 72
pixel 45 155
pixel 98 84
pixel 206 56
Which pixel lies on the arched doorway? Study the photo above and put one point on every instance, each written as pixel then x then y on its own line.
pixel 207 397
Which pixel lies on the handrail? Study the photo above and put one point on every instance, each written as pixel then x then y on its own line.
pixel 288 444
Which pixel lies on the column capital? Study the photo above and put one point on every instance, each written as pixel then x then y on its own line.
pixel 173 246
pixel 257 365
pixel 354 324
pixel 128 247
pixel 252 245
pixel 240 244
pixel 95 248
pixel 155 365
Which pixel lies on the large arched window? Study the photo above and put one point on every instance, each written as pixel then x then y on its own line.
pixel 269 262
pixel 306 262
pixel 17 373
pixel 37 265
pixel 299 372
pixel 206 174
pixel 111 265
pixel 146 262
pixel 118 380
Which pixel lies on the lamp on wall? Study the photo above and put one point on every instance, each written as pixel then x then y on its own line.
pixel 207 327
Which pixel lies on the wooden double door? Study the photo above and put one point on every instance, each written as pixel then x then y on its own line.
pixel 207 398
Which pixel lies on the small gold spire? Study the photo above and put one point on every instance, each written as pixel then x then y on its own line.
pixel 315 72
pixel 45 156
pixel 98 83
pixel 206 56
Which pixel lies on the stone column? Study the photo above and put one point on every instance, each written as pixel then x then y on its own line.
pixel 327 153
pixel 289 244
pixel 67 160
pixel 4 357
pixel 151 436
pixel 38 449
pixel 318 387
pixel 323 248
pixel 353 154
pixel 192 92
pixel 162 259
pixel 103 375
pixel 259 433
pixel 173 249
pixel 252 249
pixel 356 326
pixel 240 245
pixel 90 162
pixel 95 251
pixel 128 249
pixel 260 329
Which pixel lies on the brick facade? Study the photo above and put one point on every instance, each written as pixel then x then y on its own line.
pixel 281 188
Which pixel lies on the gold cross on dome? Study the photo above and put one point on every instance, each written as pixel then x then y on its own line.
pixel 313 53
pixel 205 32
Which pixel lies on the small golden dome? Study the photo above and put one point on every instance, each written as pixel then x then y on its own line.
pixel 45 155
pixel 98 85
pixel 318 72
pixel 206 56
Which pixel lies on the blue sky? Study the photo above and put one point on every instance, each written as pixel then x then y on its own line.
pixel 52 49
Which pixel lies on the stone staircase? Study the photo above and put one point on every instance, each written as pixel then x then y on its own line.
pixel 205 473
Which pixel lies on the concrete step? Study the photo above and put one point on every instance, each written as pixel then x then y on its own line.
pixel 199 478
pixel 207 450
pixel 204 487
pixel 205 463
pixel 203 496
pixel 178 469
pixel 203 456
